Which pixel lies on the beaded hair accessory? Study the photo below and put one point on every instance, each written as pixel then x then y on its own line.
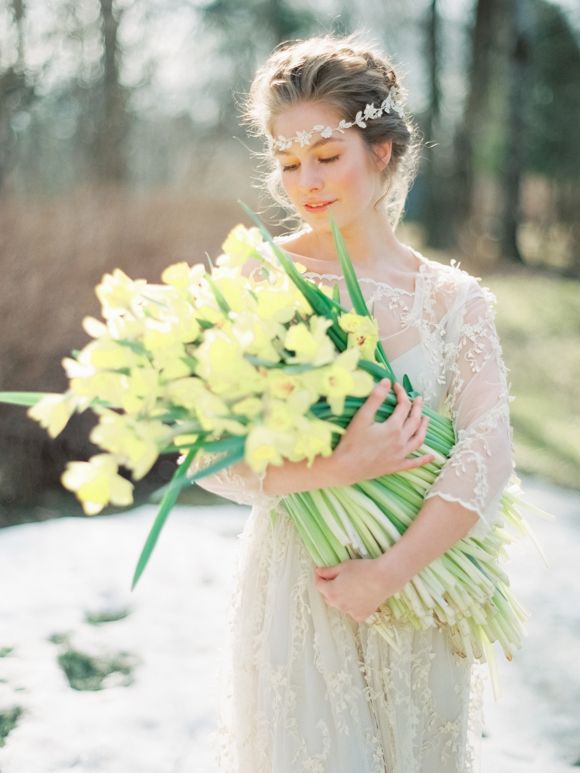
pixel 388 105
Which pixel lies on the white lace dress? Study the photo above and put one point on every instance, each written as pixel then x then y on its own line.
pixel 305 688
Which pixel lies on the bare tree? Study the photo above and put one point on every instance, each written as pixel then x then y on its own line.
pixel 16 92
pixel 483 47
pixel 513 166
pixel 112 119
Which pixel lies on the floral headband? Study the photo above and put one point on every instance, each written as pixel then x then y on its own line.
pixel 388 105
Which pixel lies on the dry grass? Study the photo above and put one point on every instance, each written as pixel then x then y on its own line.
pixel 52 255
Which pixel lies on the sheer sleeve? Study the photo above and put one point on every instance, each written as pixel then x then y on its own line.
pixel 239 482
pixel 477 399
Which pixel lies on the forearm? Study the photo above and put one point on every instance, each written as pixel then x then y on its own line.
pixel 290 477
pixel 437 527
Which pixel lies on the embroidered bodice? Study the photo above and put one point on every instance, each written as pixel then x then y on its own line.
pixel 443 336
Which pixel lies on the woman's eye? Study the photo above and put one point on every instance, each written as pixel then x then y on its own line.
pixel 322 161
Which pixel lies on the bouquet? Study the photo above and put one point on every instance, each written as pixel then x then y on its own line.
pixel 267 368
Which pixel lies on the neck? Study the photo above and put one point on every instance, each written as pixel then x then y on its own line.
pixel 368 244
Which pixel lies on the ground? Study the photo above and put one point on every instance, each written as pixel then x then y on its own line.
pixel 94 677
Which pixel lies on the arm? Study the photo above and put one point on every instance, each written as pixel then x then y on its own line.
pixel 466 493
pixel 469 487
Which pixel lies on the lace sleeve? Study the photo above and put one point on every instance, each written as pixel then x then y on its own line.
pixel 477 399
pixel 239 482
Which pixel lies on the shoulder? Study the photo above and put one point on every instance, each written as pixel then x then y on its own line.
pixel 453 288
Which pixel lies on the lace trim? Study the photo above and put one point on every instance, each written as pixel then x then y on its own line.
pixel 377 283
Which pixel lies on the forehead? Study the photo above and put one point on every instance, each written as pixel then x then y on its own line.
pixel 303 117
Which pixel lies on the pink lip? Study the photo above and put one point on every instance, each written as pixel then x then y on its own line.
pixel 316 206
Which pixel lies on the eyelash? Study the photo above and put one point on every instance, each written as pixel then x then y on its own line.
pixel 322 161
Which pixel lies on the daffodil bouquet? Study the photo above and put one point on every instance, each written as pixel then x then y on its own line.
pixel 264 368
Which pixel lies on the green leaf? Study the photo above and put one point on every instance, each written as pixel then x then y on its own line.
pixel 167 503
pixel 221 301
pixel 354 289
pixel 24 398
pixel 409 389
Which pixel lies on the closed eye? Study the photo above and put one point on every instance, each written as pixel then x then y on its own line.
pixel 290 167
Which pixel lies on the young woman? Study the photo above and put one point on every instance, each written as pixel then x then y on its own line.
pixel 309 685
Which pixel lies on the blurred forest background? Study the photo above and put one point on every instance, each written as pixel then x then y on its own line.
pixel 120 145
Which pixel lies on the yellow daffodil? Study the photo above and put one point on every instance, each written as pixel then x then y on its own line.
pixel 266 446
pixel 96 483
pixel 107 386
pixel 135 444
pixel 53 412
pixel 310 343
pixel 211 411
pixel 275 305
pixel 222 365
pixel 240 244
pixel 107 354
pixel 117 291
pixel 255 337
pixel 339 379
pixel 95 327
pixel 363 333
pixel 250 407
pixel 125 327
pixel 280 416
pixel 313 438
pixel 141 389
pixel 233 289
pixel 182 276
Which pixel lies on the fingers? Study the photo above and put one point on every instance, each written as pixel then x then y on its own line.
pixel 366 413
pixel 413 423
pixel 403 406
pixel 416 440
pixel 419 461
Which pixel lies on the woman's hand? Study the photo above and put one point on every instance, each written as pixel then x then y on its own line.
pixel 357 587
pixel 369 448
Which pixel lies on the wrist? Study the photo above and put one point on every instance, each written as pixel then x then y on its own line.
pixel 339 468
pixel 390 572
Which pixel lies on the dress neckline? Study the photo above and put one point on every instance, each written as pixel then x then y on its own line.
pixel 423 263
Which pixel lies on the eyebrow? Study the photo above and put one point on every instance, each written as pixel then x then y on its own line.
pixel 322 141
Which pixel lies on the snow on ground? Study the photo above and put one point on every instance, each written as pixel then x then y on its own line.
pixel 55 572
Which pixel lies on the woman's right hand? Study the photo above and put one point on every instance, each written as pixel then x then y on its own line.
pixel 369 449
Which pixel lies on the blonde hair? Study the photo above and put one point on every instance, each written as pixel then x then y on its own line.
pixel 346 73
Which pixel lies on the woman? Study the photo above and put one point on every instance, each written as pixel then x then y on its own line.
pixel 309 684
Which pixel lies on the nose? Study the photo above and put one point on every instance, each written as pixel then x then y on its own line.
pixel 310 177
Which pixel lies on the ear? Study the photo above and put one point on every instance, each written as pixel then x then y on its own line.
pixel 382 153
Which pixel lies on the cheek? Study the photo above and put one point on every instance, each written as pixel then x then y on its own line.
pixel 354 176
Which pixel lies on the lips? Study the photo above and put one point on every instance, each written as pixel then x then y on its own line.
pixel 315 206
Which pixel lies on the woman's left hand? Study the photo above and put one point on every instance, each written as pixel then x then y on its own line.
pixel 357 586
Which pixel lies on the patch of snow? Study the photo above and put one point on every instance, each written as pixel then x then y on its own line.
pixel 55 572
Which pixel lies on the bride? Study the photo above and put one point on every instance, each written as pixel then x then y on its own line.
pixel 308 685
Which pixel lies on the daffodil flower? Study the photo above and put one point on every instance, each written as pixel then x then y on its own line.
pixel 363 333
pixel 240 244
pixel 310 342
pixel 97 484
pixel 53 412
pixel 339 379
pixel 134 443
pixel 117 291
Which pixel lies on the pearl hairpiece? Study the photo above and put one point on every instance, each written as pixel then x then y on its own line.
pixel 388 105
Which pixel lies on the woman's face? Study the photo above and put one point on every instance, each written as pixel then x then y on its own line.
pixel 339 170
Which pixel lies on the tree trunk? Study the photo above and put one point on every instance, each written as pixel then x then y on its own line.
pixel 475 117
pixel 111 128
pixel 519 59
pixel 438 202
